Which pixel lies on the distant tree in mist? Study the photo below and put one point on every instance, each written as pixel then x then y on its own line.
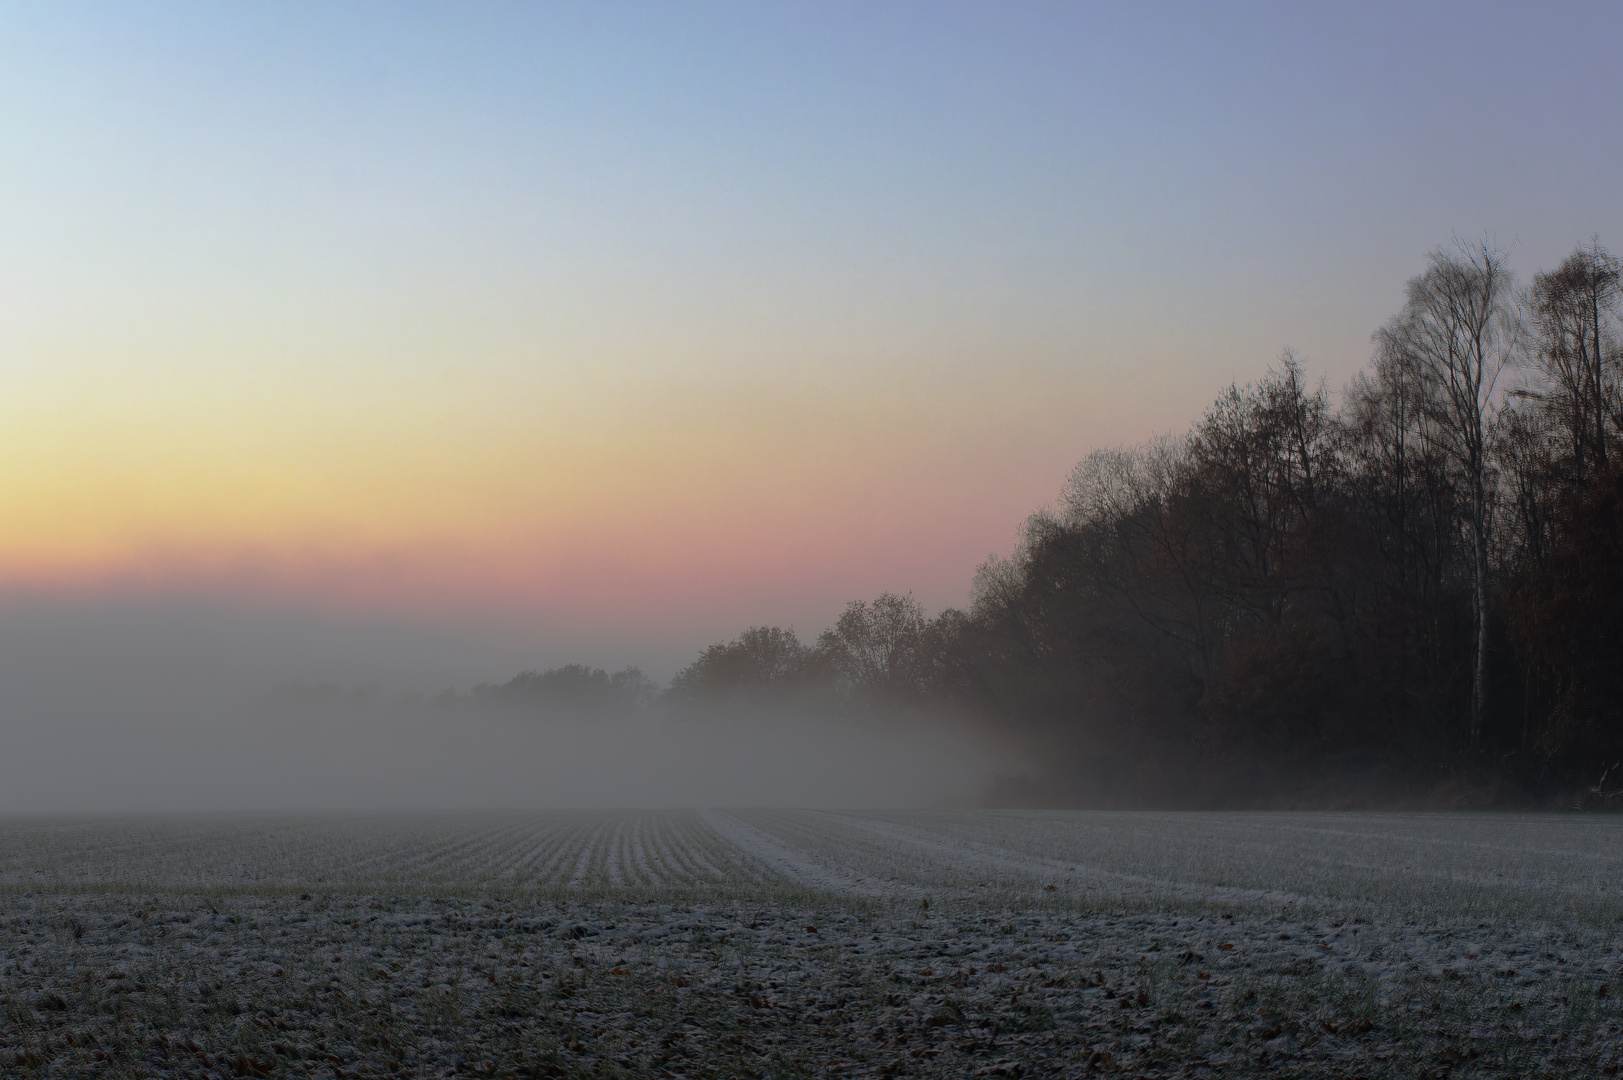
pixel 761 661
pixel 875 650
pixel 577 690
pixel 635 688
pixel 883 653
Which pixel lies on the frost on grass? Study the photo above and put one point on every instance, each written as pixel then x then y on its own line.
pixel 919 945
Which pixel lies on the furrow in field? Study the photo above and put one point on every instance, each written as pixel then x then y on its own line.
pixel 399 862
pixel 634 868
pixel 475 863
pixel 617 852
pixel 643 847
pixel 709 857
pixel 652 844
pixel 1368 862
pixel 544 850
pixel 699 852
pixel 580 874
pixel 561 863
pixel 444 863
pixel 949 856
pixel 511 864
pixel 796 863
pixel 852 851
pixel 663 866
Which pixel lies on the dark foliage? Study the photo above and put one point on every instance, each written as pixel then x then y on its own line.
pixel 1566 622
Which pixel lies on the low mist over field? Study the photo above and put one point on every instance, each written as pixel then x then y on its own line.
pixel 154 706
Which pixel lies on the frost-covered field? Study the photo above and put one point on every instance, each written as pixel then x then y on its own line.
pixel 777 943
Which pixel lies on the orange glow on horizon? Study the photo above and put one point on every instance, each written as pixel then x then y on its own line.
pixel 607 503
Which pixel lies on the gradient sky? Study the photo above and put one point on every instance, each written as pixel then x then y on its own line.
pixel 617 328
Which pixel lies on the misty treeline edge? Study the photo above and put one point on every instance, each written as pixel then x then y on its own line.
pixel 1412 592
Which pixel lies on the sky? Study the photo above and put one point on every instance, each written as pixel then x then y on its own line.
pixel 429 342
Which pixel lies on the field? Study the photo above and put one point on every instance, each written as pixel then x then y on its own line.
pixel 810 943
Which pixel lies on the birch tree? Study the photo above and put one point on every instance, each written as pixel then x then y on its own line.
pixel 1457 333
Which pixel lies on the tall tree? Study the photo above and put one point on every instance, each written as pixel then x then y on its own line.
pixel 1457 334
pixel 1575 312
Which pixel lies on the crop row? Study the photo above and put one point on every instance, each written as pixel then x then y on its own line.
pixel 1444 866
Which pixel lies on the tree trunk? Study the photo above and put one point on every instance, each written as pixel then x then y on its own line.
pixel 1479 674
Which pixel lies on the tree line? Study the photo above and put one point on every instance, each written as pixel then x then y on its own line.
pixel 1409 590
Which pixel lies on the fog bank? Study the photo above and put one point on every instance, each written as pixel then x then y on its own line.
pixel 154 707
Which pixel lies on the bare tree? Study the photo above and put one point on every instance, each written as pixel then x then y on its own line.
pixel 1148 548
pixel 1575 314
pixel 1457 333
pixel 1261 456
pixel 761 658
pixel 1383 418
pixel 875 647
